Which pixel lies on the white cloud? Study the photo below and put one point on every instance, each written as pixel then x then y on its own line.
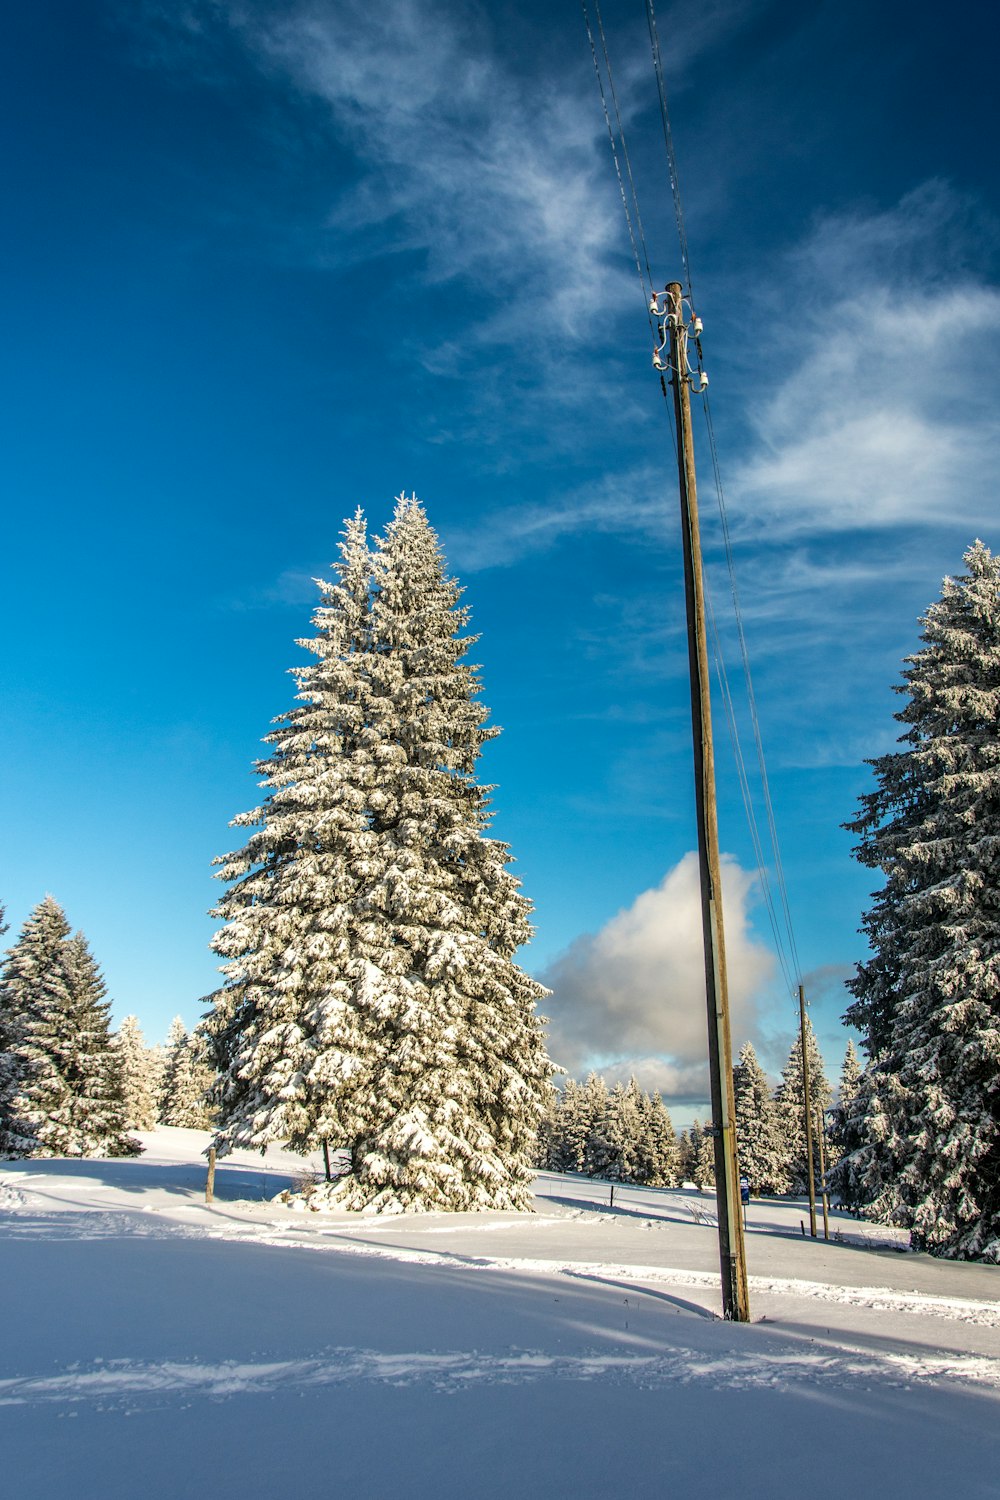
pixel 631 997
pixel 869 406
pixel 492 178
pixel 878 371
pixel 635 503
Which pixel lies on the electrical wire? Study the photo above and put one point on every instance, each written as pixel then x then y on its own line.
pixel 668 140
pixel 645 280
pixel 751 694
pixel 779 912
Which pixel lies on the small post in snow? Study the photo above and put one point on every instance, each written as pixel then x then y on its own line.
pixel 210 1183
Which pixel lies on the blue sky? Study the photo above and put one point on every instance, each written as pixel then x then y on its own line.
pixel 263 263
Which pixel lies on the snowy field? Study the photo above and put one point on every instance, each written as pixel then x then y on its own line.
pixel 158 1348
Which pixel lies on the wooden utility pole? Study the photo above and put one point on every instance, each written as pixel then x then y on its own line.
pixel 732 1258
pixel 823 1194
pixel 210 1179
pixel 807 1106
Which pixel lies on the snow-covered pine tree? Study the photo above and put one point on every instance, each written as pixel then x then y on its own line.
pixel 461 1070
pixel 928 1000
pixel 156 1063
pixel 844 1132
pixel 600 1150
pixel 658 1157
pixel 8 1062
pixel 299 939
pixel 702 1163
pixel 572 1128
pixel 372 996
pixel 686 1148
pixel 759 1134
pixel 188 1078
pixel 62 1093
pixel 839 1113
pixel 139 1087
pixel 789 1102
pixel 625 1134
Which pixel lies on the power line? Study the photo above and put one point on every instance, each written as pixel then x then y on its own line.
pixel 779 912
pixel 668 140
pixel 645 281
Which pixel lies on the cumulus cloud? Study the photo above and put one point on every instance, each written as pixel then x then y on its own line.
pixel 631 997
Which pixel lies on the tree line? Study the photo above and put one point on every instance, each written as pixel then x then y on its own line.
pixel 69 1085
pixel 624 1134
pixel 372 1001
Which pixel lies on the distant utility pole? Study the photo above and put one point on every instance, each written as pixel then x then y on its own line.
pixel 675 331
pixel 824 1196
pixel 807 1106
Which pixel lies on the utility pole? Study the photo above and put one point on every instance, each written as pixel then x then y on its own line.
pixel 807 1106
pixel 674 331
pixel 823 1194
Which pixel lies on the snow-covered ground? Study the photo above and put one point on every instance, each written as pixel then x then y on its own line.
pixel 156 1347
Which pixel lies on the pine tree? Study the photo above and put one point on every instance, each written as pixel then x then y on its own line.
pixel 624 1135
pixel 572 1127
pixel 156 1063
pixel 188 1077
pixel 759 1133
pixel 845 1132
pixel 62 1089
pixel 602 1151
pixel 139 1086
pixel 686 1150
pixel 372 995
pixel 790 1105
pixel 548 1146
pixel 702 1165
pixel 928 1000
pixel 659 1163
pixel 298 938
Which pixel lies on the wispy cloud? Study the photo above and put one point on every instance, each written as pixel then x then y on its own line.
pixel 877 413
pixel 879 373
pixel 631 997
pixel 624 504
pixel 491 178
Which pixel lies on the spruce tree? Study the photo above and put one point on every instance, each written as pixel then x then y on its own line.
pixel 602 1152
pixel 372 997
pixel 790 1105
pixel 702 1166
pixel 187 1081
pixel 759 1133
pixel 658 1156
pixel 845 1132
pixel 928 999
pixel 572 1128
pixel 624 1135
pixel 298 938
pixel 138 1083
pixel 685 1155
pixel 62 1089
